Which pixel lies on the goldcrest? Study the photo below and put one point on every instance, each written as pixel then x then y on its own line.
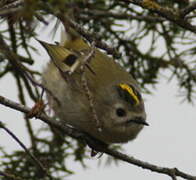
pixel 113 109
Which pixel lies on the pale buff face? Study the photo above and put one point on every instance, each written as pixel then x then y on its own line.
pixel 122 123
pixel 121 119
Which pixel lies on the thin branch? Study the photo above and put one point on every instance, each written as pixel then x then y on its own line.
pixel 14 60
pixel 81 136
pixel 41 19
pixel 11 8
pixel 91 37
pixel 37 162
pixel 10 176
pixel 34 82
pixel 27 110
pixel 106 14
pixel 188 9
pixel 168 13
pixel 85 86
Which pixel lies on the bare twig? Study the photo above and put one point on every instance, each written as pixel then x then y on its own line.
pixel 91 37
pixel 11 8
pixel 26 110
pixel 10 176
pixel 37 162
pixel 41 19
pixel 168 13
pixel 145 165
pixel 14 60
pixel 190 8
pixel 34 82
pixel 88 93
pixel 79 135
pixel 106 13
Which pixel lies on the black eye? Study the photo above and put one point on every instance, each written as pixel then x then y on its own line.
pixel 120 112
pixel 70 60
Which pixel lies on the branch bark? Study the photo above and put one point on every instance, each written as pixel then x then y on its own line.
pixel 37 162
pixel 172 172
pixel 188 9
pixel 168 13
pixel 9 176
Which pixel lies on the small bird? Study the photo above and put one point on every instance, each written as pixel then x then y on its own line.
pixel 96 94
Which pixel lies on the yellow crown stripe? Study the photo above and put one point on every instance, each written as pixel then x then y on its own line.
pixel 130 91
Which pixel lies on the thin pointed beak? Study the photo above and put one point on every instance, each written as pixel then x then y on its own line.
pixel 138 120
